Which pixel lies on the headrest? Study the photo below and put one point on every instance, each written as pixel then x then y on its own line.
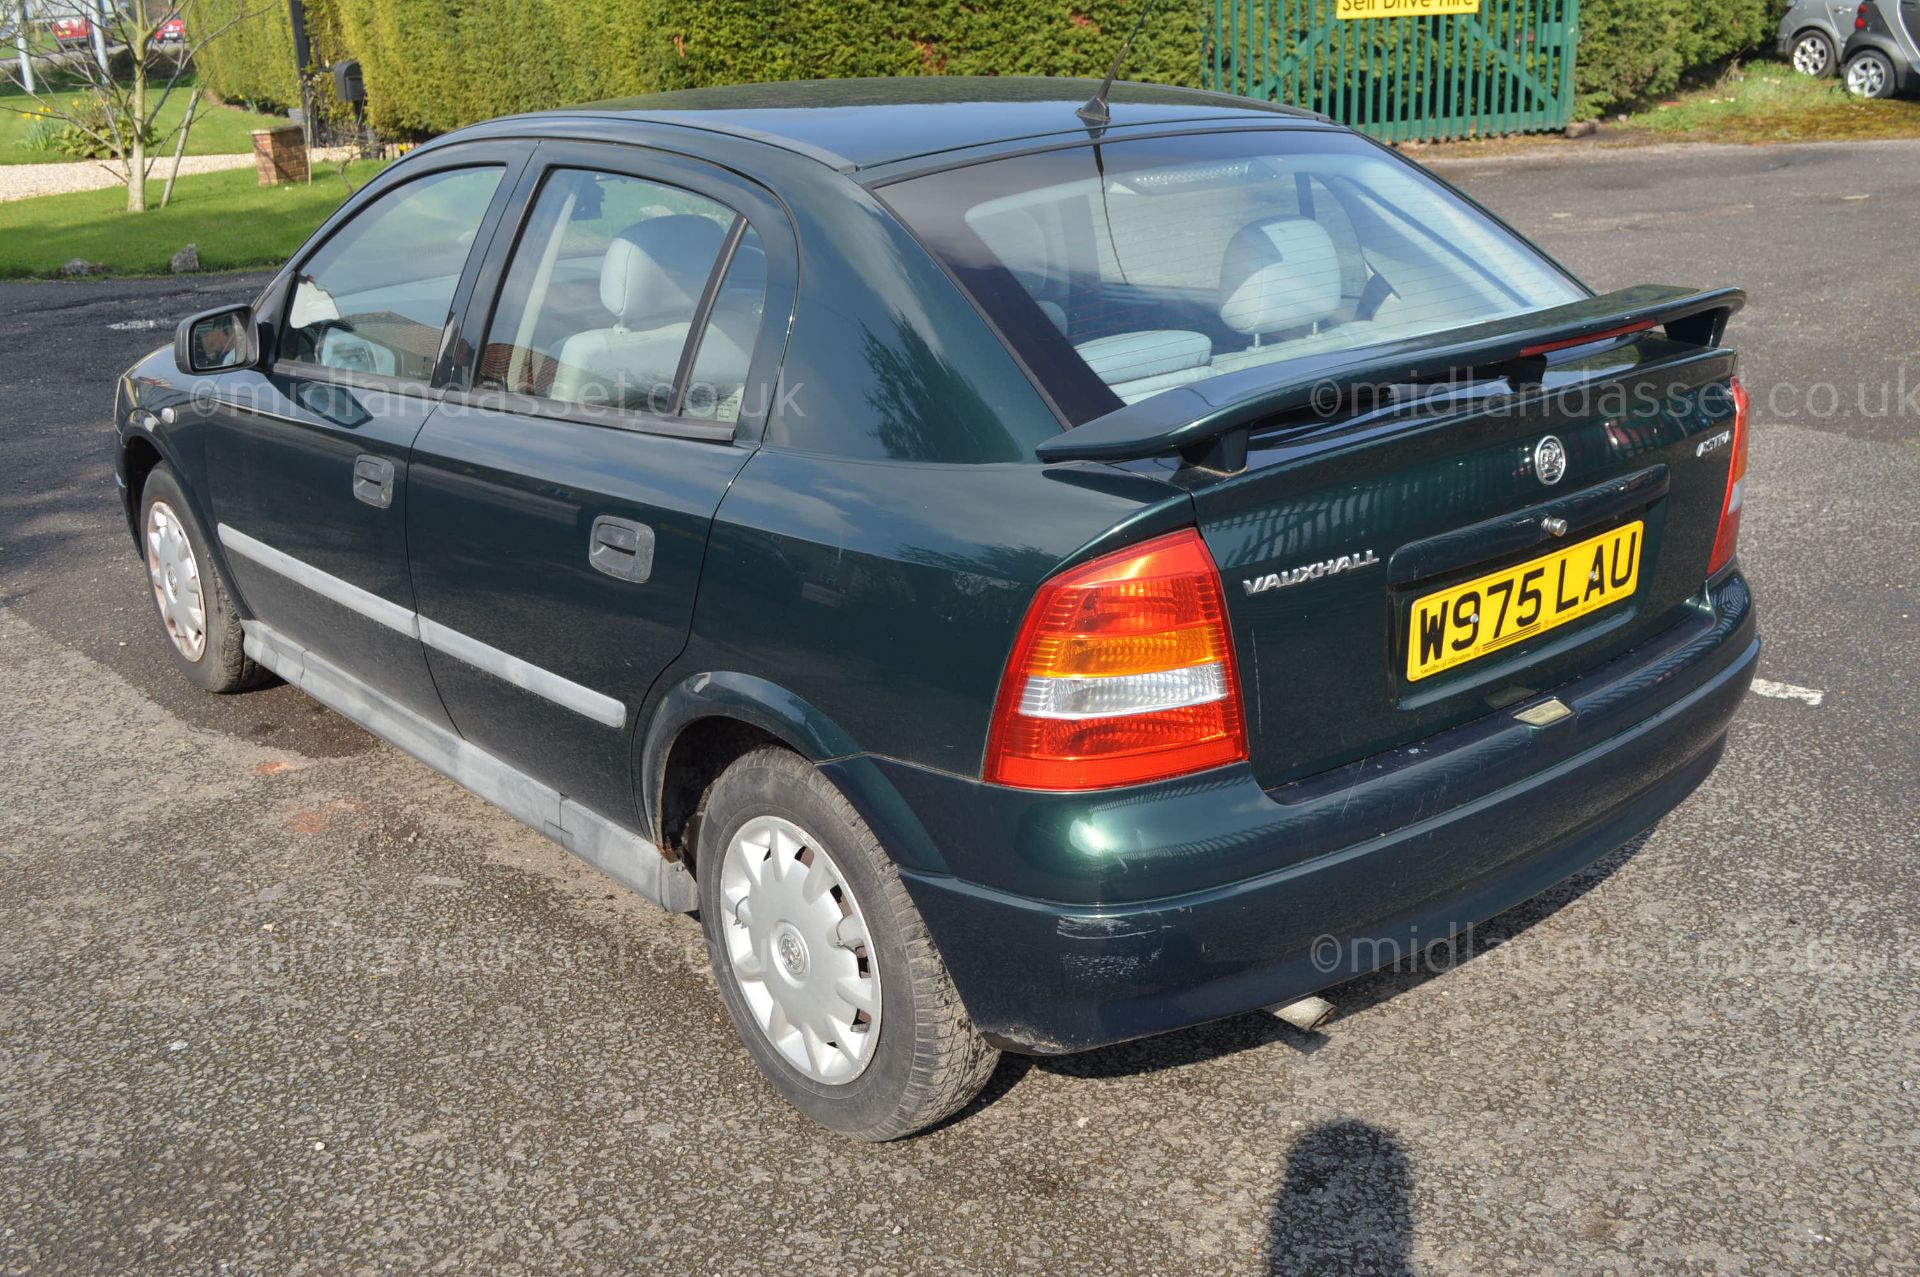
pixel 655 270
pixel 1280 273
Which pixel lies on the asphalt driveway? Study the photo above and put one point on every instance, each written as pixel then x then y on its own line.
pixel 273 998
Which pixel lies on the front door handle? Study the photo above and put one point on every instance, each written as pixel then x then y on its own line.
pixel 373 481
pixel 621 548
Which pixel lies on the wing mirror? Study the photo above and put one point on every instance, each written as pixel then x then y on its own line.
pixel 216 340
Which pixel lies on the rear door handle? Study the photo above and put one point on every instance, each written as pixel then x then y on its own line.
pixel 621 548
pixel 373 481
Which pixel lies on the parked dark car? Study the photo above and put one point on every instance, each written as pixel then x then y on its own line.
pixel 1882 55
pixel 1028 583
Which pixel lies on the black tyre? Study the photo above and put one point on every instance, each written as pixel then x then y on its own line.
pixel 821 958
pixel 1813 54
pixel 198 621
pixel 1870 74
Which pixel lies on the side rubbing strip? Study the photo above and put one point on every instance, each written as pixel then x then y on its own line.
pixel 522 674
pixel 614 849
pixel 345 593
pixel 502 665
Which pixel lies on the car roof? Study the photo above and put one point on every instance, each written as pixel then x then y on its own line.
pixel 863 123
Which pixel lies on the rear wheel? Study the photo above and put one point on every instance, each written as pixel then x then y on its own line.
pixel 1870 74
pixel 821 958
pixel 197 615
pixel 1813 54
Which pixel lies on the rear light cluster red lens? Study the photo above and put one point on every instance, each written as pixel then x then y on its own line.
pixel 1730 506
pixel 1123 672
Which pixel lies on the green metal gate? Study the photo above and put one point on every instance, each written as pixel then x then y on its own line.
pixel 1507 68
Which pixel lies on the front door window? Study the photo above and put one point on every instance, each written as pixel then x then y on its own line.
pixel 375 297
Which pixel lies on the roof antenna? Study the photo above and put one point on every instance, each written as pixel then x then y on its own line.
pixel 1095 111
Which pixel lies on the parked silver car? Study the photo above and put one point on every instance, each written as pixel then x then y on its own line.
pixel 1882 57
pixel 1810 34
pixel 1874 41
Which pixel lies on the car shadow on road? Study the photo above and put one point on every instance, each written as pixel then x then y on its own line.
pixel 1257 1029
pixel 1345 1206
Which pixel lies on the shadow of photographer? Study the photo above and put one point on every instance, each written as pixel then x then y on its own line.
pixel 1345 1207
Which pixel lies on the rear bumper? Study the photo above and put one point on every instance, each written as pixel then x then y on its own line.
pixel 1319 881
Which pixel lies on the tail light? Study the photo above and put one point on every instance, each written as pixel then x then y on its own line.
pixel 1729 534
pixel 1123 672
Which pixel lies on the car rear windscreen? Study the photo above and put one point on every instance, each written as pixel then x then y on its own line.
pixel 1120 269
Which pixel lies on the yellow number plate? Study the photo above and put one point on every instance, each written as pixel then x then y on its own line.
pixel 1467 621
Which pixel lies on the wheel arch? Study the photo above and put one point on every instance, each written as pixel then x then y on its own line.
pixel 1864 41
pixel 705 721
pixel 138 457
pixel 141 452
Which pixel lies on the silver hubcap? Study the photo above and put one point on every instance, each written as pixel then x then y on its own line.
pixel 797 945
pixel 176 581
pixel 1810 56
pixel 1866 77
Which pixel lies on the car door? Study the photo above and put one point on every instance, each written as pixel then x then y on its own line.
pixel 307 457
pixel 559 501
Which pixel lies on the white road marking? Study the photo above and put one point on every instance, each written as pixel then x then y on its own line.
pixel 134 325
pixel 1787 691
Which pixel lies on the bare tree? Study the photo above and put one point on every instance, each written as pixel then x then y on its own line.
pixel 120 113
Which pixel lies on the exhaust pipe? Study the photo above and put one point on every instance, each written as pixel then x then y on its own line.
pixel 1306 1014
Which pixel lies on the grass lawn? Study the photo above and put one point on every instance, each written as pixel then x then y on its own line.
pixel 217 130
pixel 39 41
pixel 1771 102
pixel 236 222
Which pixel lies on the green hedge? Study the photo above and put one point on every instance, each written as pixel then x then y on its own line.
pixel 252 59
pixel 1634 49
pixel 433 65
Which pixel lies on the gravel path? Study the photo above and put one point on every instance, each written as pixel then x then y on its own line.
pixel 24 181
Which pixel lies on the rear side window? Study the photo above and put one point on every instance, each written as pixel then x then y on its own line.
pixel 719 377
pixel 1118 270
pixel 375 297
pixel 605 293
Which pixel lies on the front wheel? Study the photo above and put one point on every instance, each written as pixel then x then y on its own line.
pixel 822 960
pixel 1870 74
pixel 1813 54
pixel 197 614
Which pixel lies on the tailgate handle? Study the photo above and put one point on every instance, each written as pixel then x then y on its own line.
pixel 1525 529
pixel 373 481
pixel 621 548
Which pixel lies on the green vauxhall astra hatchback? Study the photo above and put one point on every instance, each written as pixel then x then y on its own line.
pixel 1028 575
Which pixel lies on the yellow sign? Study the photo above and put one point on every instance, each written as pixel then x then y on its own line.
pixel 1401 8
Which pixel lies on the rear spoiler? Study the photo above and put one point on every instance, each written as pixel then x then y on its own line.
pixel 1207 423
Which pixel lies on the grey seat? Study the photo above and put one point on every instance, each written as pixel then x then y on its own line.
pixel 650 281
pixel 1280 276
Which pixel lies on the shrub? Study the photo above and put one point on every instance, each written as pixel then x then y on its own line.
pixel 42 135
pixel 88 122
